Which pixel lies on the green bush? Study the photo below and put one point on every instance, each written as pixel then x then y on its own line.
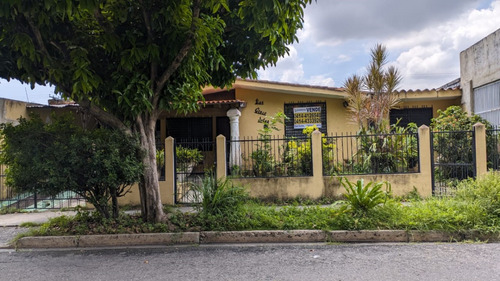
pixel 362 198
pixel 485 190
pixel 380 152
pixel 263 159
pixel 454 120
pixel 221 203
pixel 298 154
pixel 99 165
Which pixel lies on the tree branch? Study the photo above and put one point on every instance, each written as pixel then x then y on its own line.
pixel 188 43
pixel 104 116
pixel 154 65
pixel 38 37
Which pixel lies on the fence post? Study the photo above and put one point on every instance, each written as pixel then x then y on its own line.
pixel 170 170
pixel 221 157
pixel 425 159
pixel 317 154
pixel 480 149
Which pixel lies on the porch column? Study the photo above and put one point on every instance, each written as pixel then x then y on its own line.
pixel 235 151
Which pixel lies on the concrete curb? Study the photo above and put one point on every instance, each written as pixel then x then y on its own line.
pixel 110 240
pixel 368 236
pixel 261 236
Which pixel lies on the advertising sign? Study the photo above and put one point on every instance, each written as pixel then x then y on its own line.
pixel 306 116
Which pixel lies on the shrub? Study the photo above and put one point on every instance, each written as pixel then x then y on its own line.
pixel 221 203
pixel 98 165
pixel 453 121
pixel 263 161
pixel 485 190
pixel 388 153
pixel 363 198
pixel 298 154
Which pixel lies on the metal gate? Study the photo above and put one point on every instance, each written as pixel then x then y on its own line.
pixel 194 159
pixel 453 155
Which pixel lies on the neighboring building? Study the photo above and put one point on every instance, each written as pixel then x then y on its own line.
pixel 480 78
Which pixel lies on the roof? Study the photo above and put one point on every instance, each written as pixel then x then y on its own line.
pixel 53 105
pixel 218 96
pixel 452 91
pixel 287 88
pixel 452 84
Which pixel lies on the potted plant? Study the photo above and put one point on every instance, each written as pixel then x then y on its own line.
pixel 186 160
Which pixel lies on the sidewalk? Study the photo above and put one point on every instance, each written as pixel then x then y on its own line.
pixel 9 223
pixel 16 219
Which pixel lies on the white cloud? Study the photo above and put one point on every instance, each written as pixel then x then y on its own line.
pixel 330 22
pixel 423 38
pixel 430 57
pixel 288 69
pixel 320 80
pixel 343 58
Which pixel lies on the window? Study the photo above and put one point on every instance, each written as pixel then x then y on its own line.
pixel 302 115
pixel 191 130
pixel 420 116
pixel 487 102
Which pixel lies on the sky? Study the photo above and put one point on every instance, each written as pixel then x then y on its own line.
pixel 423 38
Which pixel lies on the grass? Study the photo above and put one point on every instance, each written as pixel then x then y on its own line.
pixel 476 207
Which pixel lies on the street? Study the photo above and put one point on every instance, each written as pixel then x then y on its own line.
pixel 455 261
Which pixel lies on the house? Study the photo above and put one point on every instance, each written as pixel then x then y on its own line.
pixel 480 78
pixel 242 110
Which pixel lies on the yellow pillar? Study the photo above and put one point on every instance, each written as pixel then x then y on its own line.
pixel 168 198
pixel 425 161
pixel 317 155
pixel 480 149
pixel 221 157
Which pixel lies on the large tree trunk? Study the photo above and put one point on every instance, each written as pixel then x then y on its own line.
pixel 149 187
pixel 152 208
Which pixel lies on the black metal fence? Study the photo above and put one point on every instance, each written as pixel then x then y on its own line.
pixel 370 154
pixel 194 159
pixel 453 155
pixel 493 149
pixel 35 201
pixel 269 157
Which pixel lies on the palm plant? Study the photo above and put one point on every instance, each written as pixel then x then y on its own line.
pixel 371 97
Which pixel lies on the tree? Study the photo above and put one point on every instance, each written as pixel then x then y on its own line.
pixel 125 61
pixel 99 165
pixel 372 96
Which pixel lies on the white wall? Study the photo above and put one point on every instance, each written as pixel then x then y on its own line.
pixel 479 65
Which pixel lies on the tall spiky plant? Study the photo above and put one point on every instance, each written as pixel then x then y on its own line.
pixel 372 96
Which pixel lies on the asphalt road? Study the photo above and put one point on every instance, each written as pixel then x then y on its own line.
pixel 457 261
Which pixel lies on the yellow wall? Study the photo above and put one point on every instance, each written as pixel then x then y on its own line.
pixel 337 116
pixel 11 110
pixel 435 104
pixel 262 104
